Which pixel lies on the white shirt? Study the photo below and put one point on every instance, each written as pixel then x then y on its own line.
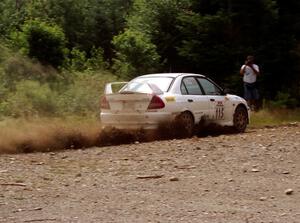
pixel 249 75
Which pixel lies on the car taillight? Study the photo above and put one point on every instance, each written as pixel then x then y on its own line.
pixel 156 103
pixel 104 103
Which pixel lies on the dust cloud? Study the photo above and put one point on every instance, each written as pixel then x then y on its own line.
pixel 49 137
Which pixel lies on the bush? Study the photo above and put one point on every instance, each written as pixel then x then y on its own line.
pixel 30 99
pixel 42 41
pixel 4 51
pixel 79 61
pixel 284 100
pixel 96 61
pixel 76 60
pixel 17 68
pixel 82 97
pixel 3 94
pixel 31 89
pixel 135 54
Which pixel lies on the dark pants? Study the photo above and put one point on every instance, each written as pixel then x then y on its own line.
pixel 250 91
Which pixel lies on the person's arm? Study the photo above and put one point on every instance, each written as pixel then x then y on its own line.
pixel 242 71
pixel 255 69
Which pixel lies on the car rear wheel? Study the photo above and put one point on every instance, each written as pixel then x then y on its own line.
pixel 240 119
pixel 186 121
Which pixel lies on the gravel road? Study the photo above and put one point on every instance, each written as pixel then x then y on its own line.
pixel 236 178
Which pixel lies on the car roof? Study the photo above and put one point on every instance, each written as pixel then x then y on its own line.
pixel 173 75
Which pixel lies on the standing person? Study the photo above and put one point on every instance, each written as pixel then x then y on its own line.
pixel 250 71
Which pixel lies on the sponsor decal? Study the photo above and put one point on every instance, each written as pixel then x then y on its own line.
pixel 170 98
pixel 219 110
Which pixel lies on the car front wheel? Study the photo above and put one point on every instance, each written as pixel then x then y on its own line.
pixel 240 119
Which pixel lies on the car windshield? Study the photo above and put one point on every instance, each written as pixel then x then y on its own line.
pixel 148 85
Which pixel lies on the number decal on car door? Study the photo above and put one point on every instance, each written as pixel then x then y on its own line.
pixel 219 110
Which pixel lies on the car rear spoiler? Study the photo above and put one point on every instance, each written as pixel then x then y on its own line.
pixel 117 87
pixel 109 87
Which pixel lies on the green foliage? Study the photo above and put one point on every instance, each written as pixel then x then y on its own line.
pixel 12 15
pixel 83 95
pixel 42 41
pixel 5 52
pixel 135 54
pixel 86 23
pixel 205 42
pixel 3 91
pixel 31 89
pixel 284 100
pixel 78 60
pixel 96 60
pixel 134 37
pixel 16 68
pixel 30 98
pixel 158 20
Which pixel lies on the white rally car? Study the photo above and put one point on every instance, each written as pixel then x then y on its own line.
pixel 148 100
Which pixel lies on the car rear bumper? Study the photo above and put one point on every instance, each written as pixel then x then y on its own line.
pixel 150 120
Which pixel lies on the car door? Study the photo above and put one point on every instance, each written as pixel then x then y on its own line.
pixel 218 103
pixel 193 97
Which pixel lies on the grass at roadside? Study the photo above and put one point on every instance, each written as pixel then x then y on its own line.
pixel 269 117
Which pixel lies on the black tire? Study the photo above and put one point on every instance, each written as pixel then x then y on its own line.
pixel 240 119
pixel 187 123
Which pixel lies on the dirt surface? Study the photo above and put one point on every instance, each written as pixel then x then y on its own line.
pixel 240 178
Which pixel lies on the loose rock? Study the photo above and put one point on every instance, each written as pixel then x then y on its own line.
pixel 288 191
pixel 263 198
pixel 174 179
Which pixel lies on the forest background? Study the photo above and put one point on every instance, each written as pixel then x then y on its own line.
pixel 56 55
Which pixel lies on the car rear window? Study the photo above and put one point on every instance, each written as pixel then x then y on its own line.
pixel 148 85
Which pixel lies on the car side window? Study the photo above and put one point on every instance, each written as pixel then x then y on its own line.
pixel 209 87
pixel 183 89
pixel 190 86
